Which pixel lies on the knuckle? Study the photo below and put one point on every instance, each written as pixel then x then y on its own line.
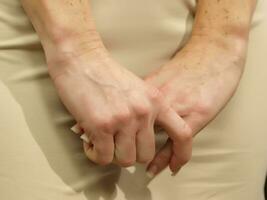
pixel 186 133
pixel 103 157
pixel 154 94
pixel 146 157
pixel 144 160
pixel 204 107
pixel 103 161
pixel 165 108
pixel 123 116
pixel 106 123
pixel 127 162
pixel 142 110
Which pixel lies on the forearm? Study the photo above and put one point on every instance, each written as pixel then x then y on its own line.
pixel 62 25
pixel 224 22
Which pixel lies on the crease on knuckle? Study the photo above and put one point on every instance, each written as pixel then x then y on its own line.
pixel 186 134
pixel 154 94
pixel 145 159
pixel 103 161
pixel 105 123
pixel 203 107
pixel 103 158
pixel 123 116
pixel 142 110
pixel 127 162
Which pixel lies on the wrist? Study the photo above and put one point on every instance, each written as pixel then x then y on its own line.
pixel 231 37
pixel 70 43
pixel 72 50
pixel 232 45
pixel 67 46
pixel 212 47
pixel 209 52
pixel 224 23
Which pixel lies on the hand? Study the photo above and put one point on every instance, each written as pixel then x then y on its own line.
pixel 197 83
pixel 115 108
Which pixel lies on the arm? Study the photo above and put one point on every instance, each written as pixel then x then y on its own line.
pixel 110 104
pixel 225 23
pixel 65 27
pixel 202 77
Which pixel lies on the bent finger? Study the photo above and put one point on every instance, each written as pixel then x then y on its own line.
pixel 182 153
pixel 175 126
pixel 181 135
pixel 100 149
pixel 125 148
pixel 145 142
pixel 161 160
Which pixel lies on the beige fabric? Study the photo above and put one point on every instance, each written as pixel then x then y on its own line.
pixel 40 157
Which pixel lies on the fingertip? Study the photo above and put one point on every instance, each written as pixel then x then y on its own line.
pixel 152 170
pixel 174 165
pixel 176 171
pixel 160 161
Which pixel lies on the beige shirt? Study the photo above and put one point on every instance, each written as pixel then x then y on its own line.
pixel 41 158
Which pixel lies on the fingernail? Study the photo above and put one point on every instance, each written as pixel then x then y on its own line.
pixel 75 129
pixel 85 138
pixel 152 171
pixel 176 171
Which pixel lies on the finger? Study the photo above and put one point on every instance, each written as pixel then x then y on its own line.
pixel 125 148
pixel 176 128
pixel 181 135
pixel 101 150
pixel 161 160
pixel 145 144
pixel 196 123
pixel 182 152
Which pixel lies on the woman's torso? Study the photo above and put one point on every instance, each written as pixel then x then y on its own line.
pixel 141 35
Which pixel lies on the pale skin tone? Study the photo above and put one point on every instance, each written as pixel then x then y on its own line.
pixel 117 109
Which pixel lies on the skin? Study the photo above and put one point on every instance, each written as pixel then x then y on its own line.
pixel 196 83
pixel 202 77
pixel 114 107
